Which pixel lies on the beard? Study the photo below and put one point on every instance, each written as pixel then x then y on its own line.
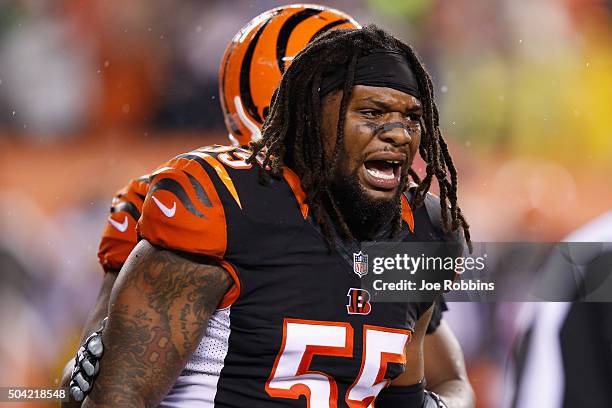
pixel 364 215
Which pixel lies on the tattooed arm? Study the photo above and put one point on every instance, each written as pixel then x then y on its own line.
pixel 158 313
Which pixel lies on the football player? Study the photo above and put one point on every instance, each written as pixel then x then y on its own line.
pixel 249 73
pixel 236 295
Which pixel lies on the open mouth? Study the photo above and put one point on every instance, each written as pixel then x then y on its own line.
pixel 383 170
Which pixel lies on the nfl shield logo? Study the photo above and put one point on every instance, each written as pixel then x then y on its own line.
pixel 360 263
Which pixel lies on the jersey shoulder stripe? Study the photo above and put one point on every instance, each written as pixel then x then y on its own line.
pixel 182 209
pixel 208 159
pixel 119 235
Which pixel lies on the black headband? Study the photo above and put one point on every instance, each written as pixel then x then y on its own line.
pixel 379 67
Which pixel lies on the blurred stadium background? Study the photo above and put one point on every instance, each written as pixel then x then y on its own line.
pixel 93 93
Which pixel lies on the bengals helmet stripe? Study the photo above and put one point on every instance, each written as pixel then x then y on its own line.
pixel 285 32
pixel 329 27
pixel 245 75
pixel 257 57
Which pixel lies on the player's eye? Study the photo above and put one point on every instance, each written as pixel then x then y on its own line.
pixel 413 117
pixel 371 113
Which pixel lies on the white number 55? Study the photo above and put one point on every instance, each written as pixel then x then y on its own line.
pixel 302 339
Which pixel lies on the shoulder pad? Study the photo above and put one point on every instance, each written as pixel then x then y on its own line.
pixel 182 209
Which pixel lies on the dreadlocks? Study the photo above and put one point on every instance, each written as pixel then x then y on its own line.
pixel 292 134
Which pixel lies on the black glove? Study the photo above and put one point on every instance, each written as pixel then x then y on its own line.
pixel 432 400
pixel 87 364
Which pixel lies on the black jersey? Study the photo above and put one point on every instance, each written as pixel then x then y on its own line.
pixel 296 329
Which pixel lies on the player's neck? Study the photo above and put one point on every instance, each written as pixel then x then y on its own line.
pixel 366 223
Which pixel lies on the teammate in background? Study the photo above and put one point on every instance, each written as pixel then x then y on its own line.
pixel 249 73
pixel 237 293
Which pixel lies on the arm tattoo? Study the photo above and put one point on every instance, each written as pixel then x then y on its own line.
pixel 158 313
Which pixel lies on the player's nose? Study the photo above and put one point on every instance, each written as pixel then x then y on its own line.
pixel 396 133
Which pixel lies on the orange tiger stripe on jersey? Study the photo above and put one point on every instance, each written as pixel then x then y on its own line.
pixel 407 214
pixel 222 173
pixel 183 211
pixel 232 294
pixel 119 236
pixel 296 186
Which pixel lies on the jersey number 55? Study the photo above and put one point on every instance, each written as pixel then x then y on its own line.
pixel 302 339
